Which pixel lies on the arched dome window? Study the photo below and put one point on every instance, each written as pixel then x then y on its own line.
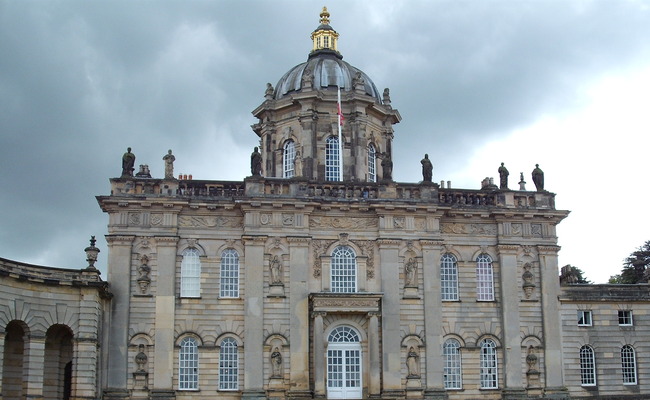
pixel 288 159
pixel 332 159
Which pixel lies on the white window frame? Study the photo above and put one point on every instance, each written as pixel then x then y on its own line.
pixel 344 364
pixel 625 318
pixel 343 270
pixel 587 366
pixel 228 365
pixel 453 369
pixel 289 159
pixel 489 369
pixel 585 318
pixel 229 274
pixel 628 365
pixel 449 277
pixel 191 273
pixel 484 278
pixel 188 364
pixel 372 163
pixel 332 159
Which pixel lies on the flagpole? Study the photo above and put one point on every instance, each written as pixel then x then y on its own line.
pixel 340 114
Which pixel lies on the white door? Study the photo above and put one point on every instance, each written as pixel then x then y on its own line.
pixel 344 364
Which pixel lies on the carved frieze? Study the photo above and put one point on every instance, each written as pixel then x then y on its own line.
pixel 468 229
pixel 368 249
pixel 204 221
pixel 156 219
pixel 342 223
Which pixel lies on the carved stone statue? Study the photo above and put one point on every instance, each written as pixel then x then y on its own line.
pixel 427 169
pixel 503 177
pixel 522 182
pixel 297 164
pixel 538 178
pixel 387 166
pixel 169 165
pixel 410 272
pixel 141 359
pixel 128 161
pixel 269 91
pixel 256 163
pixel 276 271
pixel 276 363
pixel 307 78
pixel 386 96
pixel 413 363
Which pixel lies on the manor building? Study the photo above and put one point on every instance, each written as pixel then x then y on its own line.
pixel 319 276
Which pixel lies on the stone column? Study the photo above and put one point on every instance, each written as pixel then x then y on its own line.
pixel 431 252
pixel 299 316
pixel 548 266
pixel 254 318
pixel 390 321
pixel 319 355
pixel 34 361
pixel 510 298
pixel 119 275
pixel 163 368
pixel 2 358
pixel 374 386
pixel 84 372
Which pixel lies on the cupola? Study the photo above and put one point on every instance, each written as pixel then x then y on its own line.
pixel 324 37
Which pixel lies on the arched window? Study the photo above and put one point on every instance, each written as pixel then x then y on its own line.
pixel 453 368
pixel 228 365
pixel 188 365
pixel 488 365
pixel 628 363
pixel 288 159
pixel 344 364
pixel 484 278
pixel 344 270
pixel 191 273
pixel 332 159
pixel 449 277
pixel 229 277
pixel 372 163
pixel 587 366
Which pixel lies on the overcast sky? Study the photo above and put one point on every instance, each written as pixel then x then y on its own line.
pixel 565 84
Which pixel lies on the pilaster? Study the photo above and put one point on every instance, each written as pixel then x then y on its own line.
pixel 374 386
pixel 119 274
pixel 513 376
pixel 254 318
pixel 166 247
pixel 390 321
pixel 431 252
pixel 319 355
pixel 551 311
pixel 299 313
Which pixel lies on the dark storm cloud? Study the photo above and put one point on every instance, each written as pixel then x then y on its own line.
pixel 82 80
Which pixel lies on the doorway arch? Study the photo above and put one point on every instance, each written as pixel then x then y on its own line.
pixel 344 363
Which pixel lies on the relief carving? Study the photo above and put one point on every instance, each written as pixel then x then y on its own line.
pixel 469 229
pixel 368 250
pixel 516 229
pixel 135 219
pixel 399 222
pixel 156 219
pixel 343 223
pixel 536 229
pixel 287 219
pixel 319 248
pixel 192 221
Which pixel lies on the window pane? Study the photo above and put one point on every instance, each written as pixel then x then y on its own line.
pixel 191 274
pixel 452 369
pixel 449 277
pixel 372 163
pixel 587 366
pixel 332 165
pixel 188 365
pixel 488 365
pixel 625 318
pixel 628 364
pixel 228 365
pixel 344 270
pixel 229 281
pixel 484 278
pixel 289 159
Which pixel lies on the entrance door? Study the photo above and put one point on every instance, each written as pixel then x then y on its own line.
pixel 344 364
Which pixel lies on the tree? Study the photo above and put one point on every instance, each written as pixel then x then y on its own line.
pixel 572 275
pixel 634 266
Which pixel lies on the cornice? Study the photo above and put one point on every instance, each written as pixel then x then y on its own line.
pixel 548 249
pixel 119 239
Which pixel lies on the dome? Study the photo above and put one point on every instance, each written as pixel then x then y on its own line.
pixel 325 69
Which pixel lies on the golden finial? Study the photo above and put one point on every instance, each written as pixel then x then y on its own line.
pixel 325 16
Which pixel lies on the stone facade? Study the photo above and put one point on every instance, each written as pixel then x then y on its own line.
pixel 321 277
pixel 51 333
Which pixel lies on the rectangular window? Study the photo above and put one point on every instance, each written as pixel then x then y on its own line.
pixel 625 318
pixel 584 318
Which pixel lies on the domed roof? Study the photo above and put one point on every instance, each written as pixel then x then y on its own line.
pixel 325 69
